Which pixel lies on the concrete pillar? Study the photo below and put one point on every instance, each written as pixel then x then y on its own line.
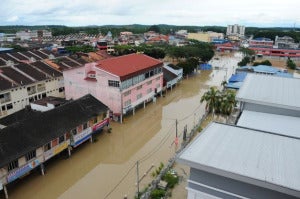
pixel 91 139
pixel 69 151
pixel 42 169
pixel 5 191
pixel 133 112
pixel 144 104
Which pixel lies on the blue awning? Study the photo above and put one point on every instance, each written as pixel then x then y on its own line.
pixel 239 77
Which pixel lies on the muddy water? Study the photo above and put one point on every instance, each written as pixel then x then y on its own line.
pixel 107 167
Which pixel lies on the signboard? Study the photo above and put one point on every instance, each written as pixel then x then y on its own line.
pixel 100 124
pixel 52 152
pixel 22 170
pixel 81 137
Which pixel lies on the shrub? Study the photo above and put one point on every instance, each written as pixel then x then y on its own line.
pixel 157 194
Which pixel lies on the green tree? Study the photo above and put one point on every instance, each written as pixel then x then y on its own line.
pixel 247 52
pixel 290 64
pixel 244 61
pixel 227 102
pixel 211 97
pixel 154 28
pixel 265 62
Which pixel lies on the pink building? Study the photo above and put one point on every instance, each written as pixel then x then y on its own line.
pixel 122 83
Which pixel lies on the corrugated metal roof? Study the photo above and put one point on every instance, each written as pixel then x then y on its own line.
pixel 128 65
pixel 271 91
pixel 260 158
pixel 281 124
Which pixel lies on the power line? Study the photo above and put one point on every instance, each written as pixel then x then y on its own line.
pixel 123 178
pixel 155 149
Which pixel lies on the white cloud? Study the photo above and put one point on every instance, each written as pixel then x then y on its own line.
pixel 13 19
pixel 178 12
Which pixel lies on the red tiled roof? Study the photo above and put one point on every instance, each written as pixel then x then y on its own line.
pixel 128 65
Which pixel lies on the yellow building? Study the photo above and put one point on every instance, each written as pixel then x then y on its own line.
pixel 205 36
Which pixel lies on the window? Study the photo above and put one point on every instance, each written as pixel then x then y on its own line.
pixel 68 135
pixel 158 78
pixel 79 129
pixel 149 82
pixel 61 89
pixel 113 83
pixel 61 139
pixel 31 90
pixel 127 93
pixel 54 142
pixel 12 165
pixel 74 131
pixel 30 155
pixel 127 103
pixel 85 125
pixel 95 120
pixel 151 73
pixel 9 106
pixel 139 96
pixel 47 146
pixel 139 87
pixel 5 97
pixel 41 87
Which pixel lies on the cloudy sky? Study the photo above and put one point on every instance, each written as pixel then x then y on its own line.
pixel 261 13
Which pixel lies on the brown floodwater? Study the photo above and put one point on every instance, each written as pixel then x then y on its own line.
pixel 107 167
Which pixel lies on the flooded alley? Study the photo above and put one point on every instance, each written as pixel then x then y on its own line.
pixel 107 167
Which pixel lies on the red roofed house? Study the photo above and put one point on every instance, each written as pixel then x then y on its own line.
pixel 122 83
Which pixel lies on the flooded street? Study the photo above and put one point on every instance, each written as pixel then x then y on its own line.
pixel 107 167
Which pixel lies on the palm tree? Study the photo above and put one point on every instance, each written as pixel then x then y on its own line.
pixel 224 84
pixel 211 97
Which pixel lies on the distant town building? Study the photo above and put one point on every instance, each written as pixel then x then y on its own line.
pixel 261 42
pixel 285 42
pixel 235 31
pixel 33 34
pixel 205 36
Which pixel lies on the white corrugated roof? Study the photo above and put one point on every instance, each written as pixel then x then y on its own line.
pixel 281 124
pixel 264 159
pixel 271 90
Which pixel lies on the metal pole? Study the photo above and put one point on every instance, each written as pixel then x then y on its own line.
pixel 137 178
pixel 176 127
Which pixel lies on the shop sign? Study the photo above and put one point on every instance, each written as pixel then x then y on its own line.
pixel 101 124
pixel 81 137
pixel 48 154
pixel 22 170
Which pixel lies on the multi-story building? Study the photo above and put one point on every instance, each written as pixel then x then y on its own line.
pixel 261 42
pixel 32 141
pixel 235 30
pixel 285 42
pixel 28 34
pixel 122 83
pixel 29 76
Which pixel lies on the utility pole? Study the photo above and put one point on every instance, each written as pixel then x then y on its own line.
pixel 137 179
pixel 176 138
